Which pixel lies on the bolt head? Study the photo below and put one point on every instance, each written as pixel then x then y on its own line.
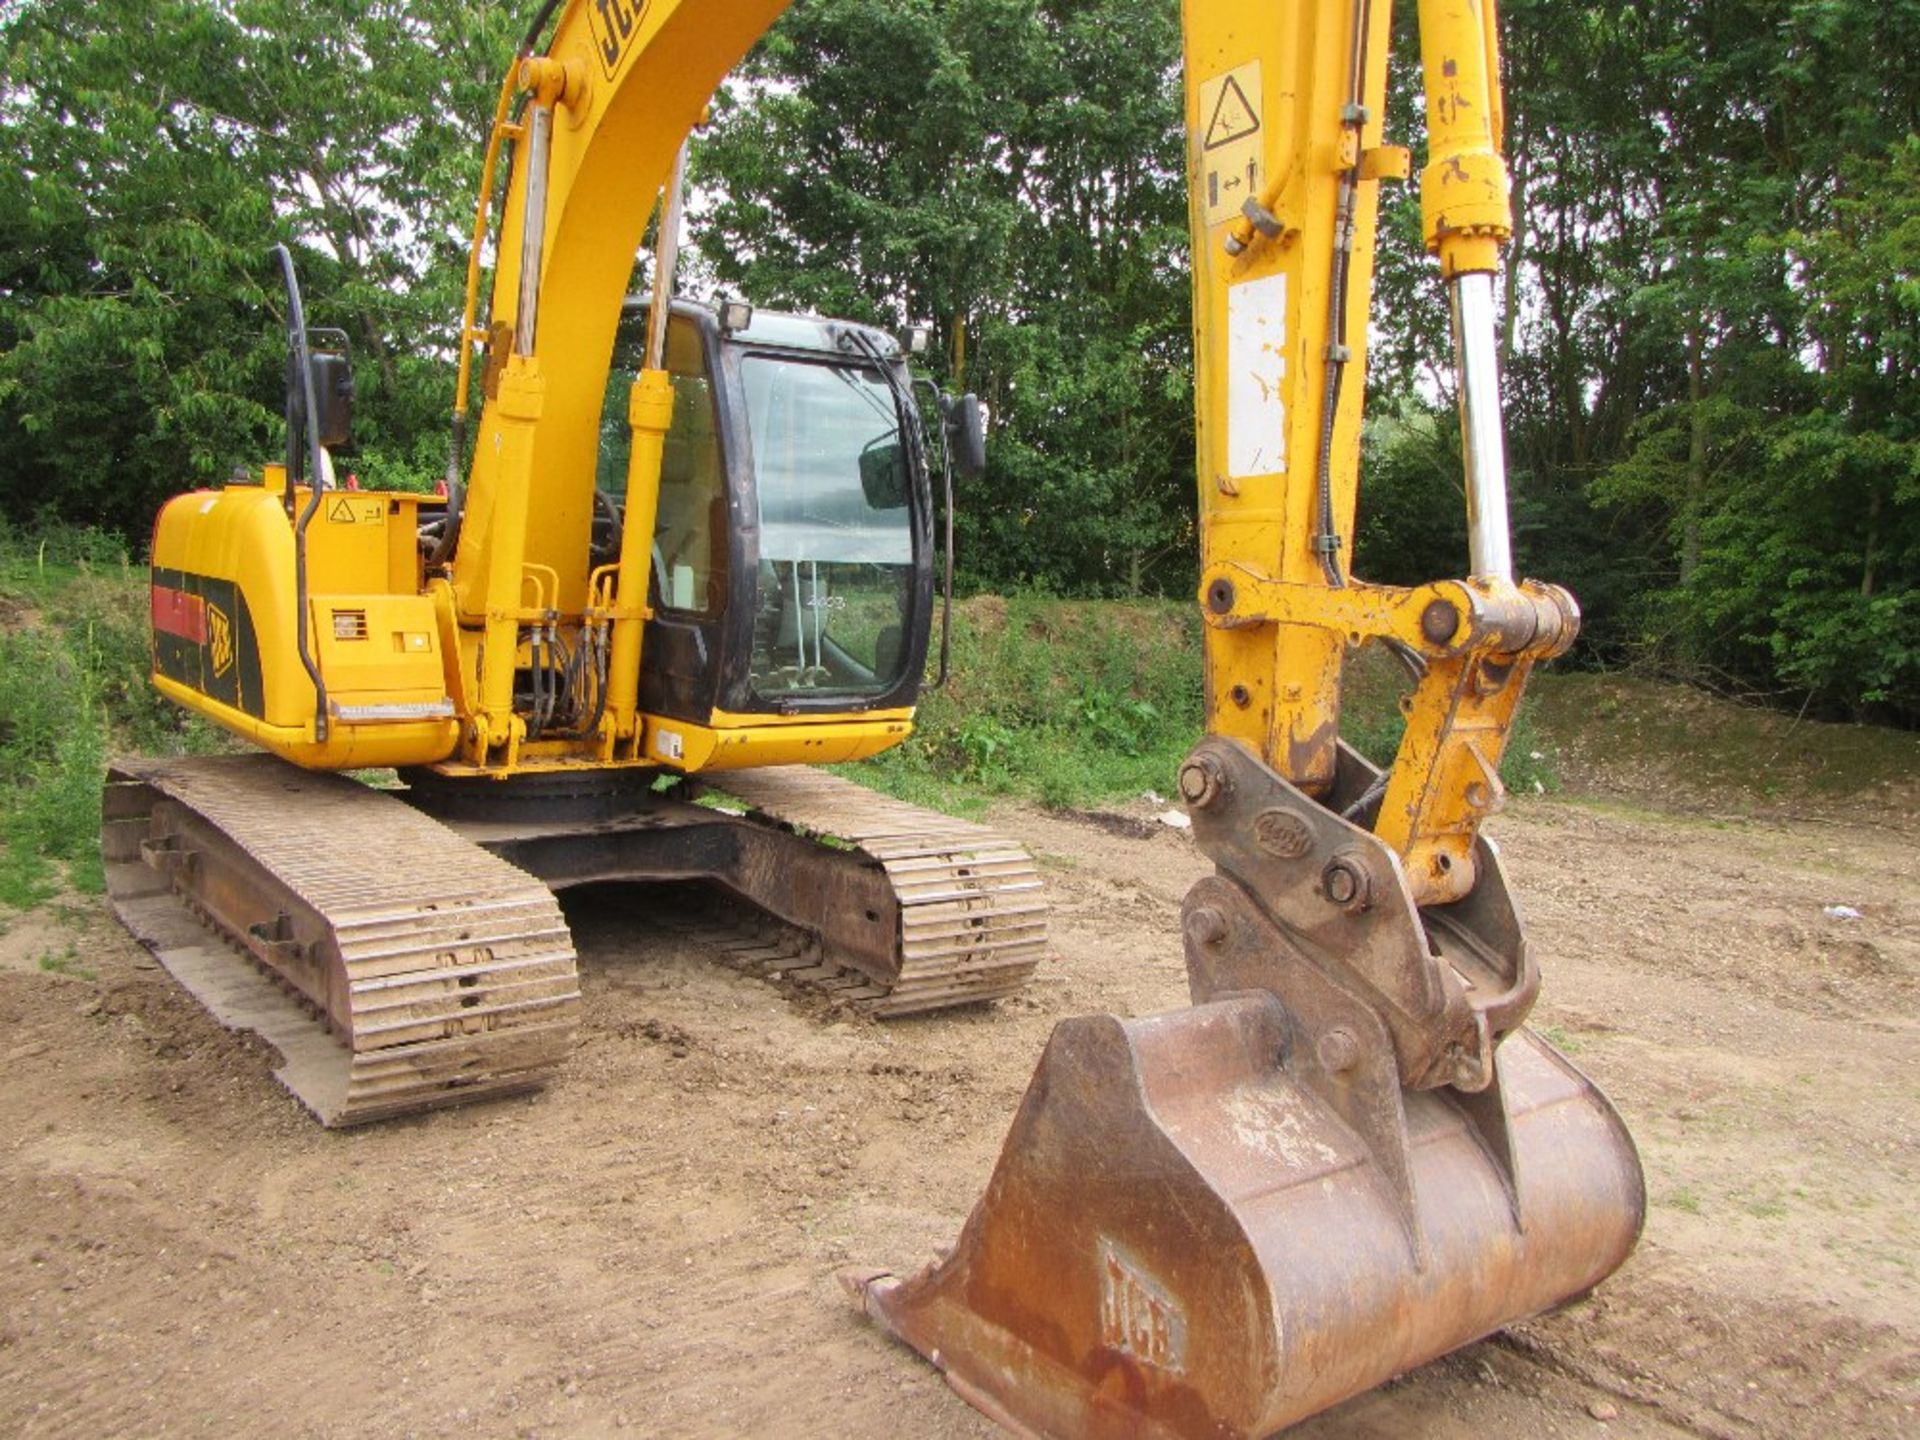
pixel 1346 883
pixel 1439 620
pixel 1202 781
pixel 1206 926
pixel 1338 1050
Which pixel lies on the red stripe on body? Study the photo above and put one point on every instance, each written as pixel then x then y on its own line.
pixel 175 612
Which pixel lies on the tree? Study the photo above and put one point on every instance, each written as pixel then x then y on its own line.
pixel 1012 171
pixel 163 149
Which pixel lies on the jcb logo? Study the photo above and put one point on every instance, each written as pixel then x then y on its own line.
pixel 614 24
pixel 1137 1313
pixel 219 639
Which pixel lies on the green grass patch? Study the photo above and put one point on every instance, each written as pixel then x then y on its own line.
pixel 67 963
pixel 1560 1040
pixel 1061 702
pixel 1070 704
pixel 73 690
pixel 1625 735
pixel 1684 1200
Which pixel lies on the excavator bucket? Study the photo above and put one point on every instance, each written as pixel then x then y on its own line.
pixel 1219 1221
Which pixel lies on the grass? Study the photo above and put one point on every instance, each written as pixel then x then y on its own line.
pixel 1062 703
pixel 1067 703
pixel 1560 1040
pixel 67 963
pixel 1685 1200
pixel 1628 734
pixel 1075 704
pixel 73 690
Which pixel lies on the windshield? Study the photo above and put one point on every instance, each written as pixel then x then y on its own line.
pixel 836 529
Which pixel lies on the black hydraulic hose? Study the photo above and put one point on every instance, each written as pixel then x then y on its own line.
pixel 297 339
pixel 456 494
pixel 532 37
pixel 1327 541
pixel 946 589
pixel 946 586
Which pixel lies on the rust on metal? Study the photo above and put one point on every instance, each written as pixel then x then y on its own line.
pixel 394 966
pixel 971 915
pixel 1347 1158
pixel 1182 1239
pixel 924 910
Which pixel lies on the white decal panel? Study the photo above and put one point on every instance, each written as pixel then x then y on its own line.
pixel 1256 377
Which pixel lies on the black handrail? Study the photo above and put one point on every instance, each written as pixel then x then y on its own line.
pixel 302 415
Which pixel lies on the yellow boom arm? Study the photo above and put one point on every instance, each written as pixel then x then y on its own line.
pixel 1284 112
pixel 1284 118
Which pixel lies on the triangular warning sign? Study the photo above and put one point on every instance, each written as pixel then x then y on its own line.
pixel 1233 117
pixel 341 511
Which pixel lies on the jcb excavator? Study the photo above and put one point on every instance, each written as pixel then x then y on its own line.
pixel 1347 1156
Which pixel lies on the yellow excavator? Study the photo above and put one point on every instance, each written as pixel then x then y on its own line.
pixel 1347 1156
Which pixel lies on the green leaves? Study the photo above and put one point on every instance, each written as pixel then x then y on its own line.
pixel 1010 171
pixel 163 148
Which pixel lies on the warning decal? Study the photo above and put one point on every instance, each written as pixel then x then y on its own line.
pixel 356 510
pixel 1233 117
pixel 1229 141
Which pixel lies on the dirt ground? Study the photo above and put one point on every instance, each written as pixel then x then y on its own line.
pixel 650 1245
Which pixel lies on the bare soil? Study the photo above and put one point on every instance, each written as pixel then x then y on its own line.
pixel 650 1244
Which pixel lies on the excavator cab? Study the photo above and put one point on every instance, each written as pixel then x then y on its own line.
pixel 792 567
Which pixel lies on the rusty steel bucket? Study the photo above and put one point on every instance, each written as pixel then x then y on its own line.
pixel 1347 1158
pixel 1183 1238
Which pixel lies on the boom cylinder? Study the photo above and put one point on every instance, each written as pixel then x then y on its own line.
pixel 1467 212
pixel 1476 358
pixel 533 233
pixel 666 259
pixel 649 413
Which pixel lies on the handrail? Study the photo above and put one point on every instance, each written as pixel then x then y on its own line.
pixel 303 361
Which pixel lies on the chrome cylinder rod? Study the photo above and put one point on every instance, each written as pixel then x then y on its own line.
pixel 533 231
pixel 666 256
pixel 1476 355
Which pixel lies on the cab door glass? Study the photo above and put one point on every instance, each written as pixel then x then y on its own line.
pixel 689 571
pixel 836 530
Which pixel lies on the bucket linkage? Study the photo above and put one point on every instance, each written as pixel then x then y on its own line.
pixel 1347 1158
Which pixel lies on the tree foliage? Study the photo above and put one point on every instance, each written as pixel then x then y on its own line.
pixel 1012 172
pixel 1713 297
pixel 1710 381
pixel 161 149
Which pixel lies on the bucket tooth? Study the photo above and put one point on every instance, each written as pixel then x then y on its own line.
pixel 1183 1238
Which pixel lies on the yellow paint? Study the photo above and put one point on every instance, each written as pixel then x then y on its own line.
pixel 348 747
pixel 736 742
pixel 649 416
pixel 1464 204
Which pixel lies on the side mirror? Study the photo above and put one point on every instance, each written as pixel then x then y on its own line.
pixel 965 421
pixel 332 388
pixel 333 394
